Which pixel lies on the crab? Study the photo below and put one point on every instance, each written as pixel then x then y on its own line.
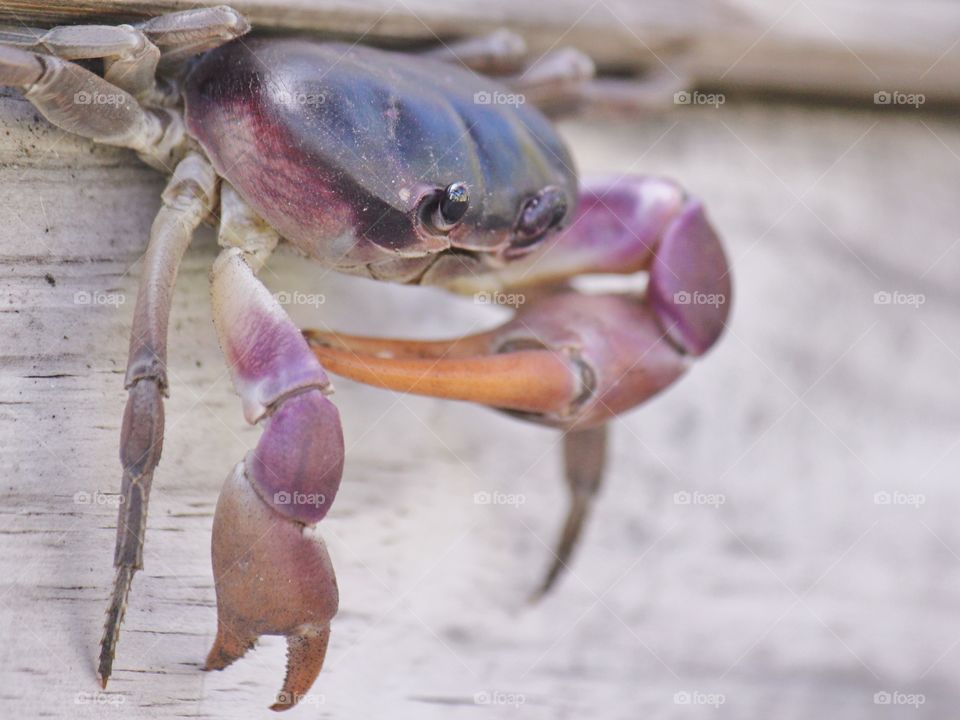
pixel 414 168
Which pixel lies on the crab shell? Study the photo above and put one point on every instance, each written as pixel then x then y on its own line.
pixel 341 148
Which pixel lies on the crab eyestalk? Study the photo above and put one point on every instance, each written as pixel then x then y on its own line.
pixel 272 572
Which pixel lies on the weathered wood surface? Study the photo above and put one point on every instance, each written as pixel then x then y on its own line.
pixel 849 50
pixel 798 597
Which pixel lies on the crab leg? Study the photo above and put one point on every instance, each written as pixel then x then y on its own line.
pixel 182 34
pixel 186 200
pixel 584 459
pixel 272 572
pixel 131 54
pixel 499 52
pixel 59 90
pixel 106 109
pixel 130 60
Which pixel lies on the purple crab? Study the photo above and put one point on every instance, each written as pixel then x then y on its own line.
pixel 415 168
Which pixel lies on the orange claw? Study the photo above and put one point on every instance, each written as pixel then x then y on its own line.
pixel 533 381
pixel 273 577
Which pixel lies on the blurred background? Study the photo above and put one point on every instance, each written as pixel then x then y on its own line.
pixel 777 535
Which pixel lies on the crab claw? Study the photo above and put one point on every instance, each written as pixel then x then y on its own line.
pixel 273 577
pixel 567 359
pixel 272 572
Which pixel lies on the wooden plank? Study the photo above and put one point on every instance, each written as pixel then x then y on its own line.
pixel 614 32
pixel 846 51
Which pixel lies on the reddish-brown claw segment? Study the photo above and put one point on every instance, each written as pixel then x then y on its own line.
pixel 272 575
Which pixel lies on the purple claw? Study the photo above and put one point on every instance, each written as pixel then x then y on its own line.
pixel 690 281
pixel 298 462
pixel 614 342
pixel 272 575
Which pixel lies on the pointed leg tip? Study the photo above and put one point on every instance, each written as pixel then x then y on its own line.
pixel 549 582
pixel 105 668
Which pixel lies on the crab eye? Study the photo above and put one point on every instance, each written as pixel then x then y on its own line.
pixel 454 203
pixel 539 214
pixel 442 209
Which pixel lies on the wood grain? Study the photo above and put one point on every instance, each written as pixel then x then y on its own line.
pixel 846 51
